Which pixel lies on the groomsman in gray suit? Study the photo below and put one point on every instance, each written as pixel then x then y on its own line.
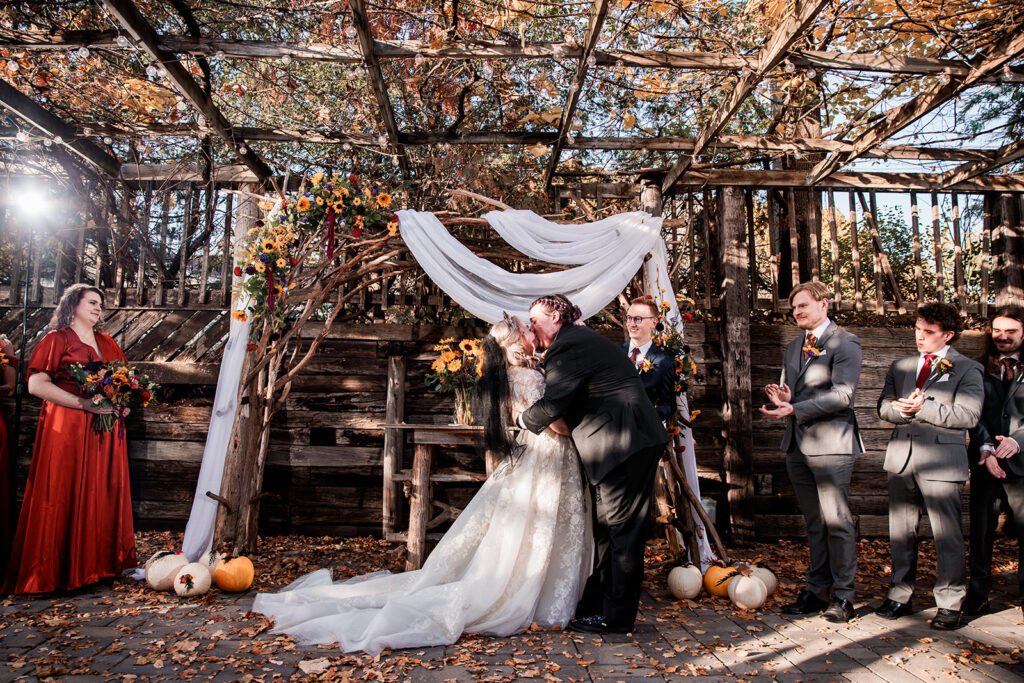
pixel 933 397
pixel 820 371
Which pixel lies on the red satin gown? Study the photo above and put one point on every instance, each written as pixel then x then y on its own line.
pixel 5 538
pixel 75 526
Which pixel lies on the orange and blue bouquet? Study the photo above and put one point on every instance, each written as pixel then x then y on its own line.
pixel 114 385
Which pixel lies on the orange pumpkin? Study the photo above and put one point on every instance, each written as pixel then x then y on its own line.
pixel 716 580
pixel 234 574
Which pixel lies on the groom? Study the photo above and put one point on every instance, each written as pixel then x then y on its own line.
pixel 619 437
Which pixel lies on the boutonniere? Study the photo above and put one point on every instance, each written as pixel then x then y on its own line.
pixel 813 350
pixel 943 367
pixel 646 365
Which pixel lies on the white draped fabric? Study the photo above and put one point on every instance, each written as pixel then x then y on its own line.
pixel 606 255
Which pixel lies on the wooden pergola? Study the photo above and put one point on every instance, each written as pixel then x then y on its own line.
pixel 794 166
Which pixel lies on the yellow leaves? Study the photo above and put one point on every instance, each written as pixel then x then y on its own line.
pixel 628 121
pixel 149 97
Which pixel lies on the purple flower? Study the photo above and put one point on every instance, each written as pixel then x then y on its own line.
pixel 264 258
pixel 307 195
pixel 329 186
pixel 250 270
pixel 373 192
pixel 305 220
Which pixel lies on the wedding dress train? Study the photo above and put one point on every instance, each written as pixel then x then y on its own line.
pixel 519 553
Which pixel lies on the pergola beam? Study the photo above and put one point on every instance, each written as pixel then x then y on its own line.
pixel 361 21
pixel 146 37
pixel 1004 155
pixel 787 33
pixel 1007 48
pixel 598 13
pixel 484 49
pixel 52 126
pixel 767 143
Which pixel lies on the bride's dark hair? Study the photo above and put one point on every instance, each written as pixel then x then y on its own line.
pixel 492 400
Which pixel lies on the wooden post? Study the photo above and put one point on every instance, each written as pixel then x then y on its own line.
pixel 706 216
pixel 915 228
pixel 794 241
pixel 858 292
pixel 140 278
pixel 736 386
pixel 774 248
pixel 986 250
pixel 881 259
pixel 1008 252
pixel 748 210
pixel 958 256
pixel 186 228
pixel 419 506
pixel 394 411
pixel 940 284
pixel 814 232
pixel 833 232
pixel 211 195
pixel 691 225
pixel 651 199
pixel 165 217
pixel 227 255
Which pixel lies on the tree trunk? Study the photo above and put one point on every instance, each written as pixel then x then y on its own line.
pixel 734 307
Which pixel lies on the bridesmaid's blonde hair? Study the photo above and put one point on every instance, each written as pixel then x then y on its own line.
pixel 509 336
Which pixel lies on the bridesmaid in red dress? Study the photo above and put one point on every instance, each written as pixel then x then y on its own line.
pixel 7 379
pixel 75 526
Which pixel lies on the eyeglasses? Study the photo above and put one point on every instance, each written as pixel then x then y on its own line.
pixel 637 319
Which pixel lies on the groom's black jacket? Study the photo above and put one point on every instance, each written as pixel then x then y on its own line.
pixel 592 384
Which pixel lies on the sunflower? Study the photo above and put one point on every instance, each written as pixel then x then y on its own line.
pixel 384 200
pixel 268 246
pixel 438 365
pixel 281 263
pixel 319 201
pixel 357 202
pixel 455 365
pixel 672 430
pixel 260 267
pixel 303 204
pixel 317 177
pixel 392 228
pixel 240 316
pixel 466 345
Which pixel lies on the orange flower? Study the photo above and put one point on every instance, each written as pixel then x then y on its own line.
pixel 240 316
pixel 303 204
pixel 357 201
pixel 384 200
pixel 455 365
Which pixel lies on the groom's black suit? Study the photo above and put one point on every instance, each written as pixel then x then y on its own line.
pixel 619 436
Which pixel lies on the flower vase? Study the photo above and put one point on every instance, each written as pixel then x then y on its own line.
pixel 463 406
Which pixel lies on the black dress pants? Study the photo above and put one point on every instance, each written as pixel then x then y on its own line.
pixel 987 497
pixel 621 504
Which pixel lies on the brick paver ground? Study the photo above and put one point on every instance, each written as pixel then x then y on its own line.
pixel 125 632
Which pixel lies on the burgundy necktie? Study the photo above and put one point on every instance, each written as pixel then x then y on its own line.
pixel 633 355
pixel 926 370
pixel 1009 369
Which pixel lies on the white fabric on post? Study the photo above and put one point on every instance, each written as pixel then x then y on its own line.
pixel 606 253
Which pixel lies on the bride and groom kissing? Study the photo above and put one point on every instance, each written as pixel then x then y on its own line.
pixel 541 542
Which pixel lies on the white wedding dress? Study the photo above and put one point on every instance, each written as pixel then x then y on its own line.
pixel 520 553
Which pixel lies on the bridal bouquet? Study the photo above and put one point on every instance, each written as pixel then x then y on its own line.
pixel 455 371
pixel 113 385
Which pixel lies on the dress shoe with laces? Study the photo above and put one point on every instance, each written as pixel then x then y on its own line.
pixel 598 624
pixel 839 612
pixel 975 606
pixel 946 620
pixel 806 603
pixel 890 609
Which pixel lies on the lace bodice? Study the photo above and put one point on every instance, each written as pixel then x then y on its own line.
pixel 526 387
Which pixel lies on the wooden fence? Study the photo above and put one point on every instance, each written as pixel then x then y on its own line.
pixel 324 472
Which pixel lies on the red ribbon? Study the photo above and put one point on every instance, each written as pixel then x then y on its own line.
pixel 270 289
pixel 330 234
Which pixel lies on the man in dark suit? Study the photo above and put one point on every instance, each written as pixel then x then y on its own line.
pixel 820 371
pixel 654 365
pixel 932 397
pixel 620 439
pixel 997 462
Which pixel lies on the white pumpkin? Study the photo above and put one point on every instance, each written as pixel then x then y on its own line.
pixel 684 582
pixel 767 577
pixel 211 559
pixel 161 570
pixel 747 592
pixel 192 579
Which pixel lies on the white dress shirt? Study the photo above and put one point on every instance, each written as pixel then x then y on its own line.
pixel 643 351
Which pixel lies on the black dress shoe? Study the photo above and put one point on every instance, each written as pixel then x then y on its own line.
pixel 598 624
pixel 840 611
pixel 806 603
pixel 890 609
pixel 975 606
pixel 946 620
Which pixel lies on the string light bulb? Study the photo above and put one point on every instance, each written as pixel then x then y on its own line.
pixel 286 59
pixel 13 66
pixel 242 149
pixel 107 140
pixel 21 136
pixel 83 52
pixel 122 40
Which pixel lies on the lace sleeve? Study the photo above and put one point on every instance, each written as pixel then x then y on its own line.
pixel 526 386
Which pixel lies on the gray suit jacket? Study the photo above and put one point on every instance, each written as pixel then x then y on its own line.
pixel 823 421
pixel 936 437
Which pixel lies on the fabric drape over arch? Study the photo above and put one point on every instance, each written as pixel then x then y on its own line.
pixel 605 254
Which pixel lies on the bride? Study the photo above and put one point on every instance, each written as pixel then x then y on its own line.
pixel 520 552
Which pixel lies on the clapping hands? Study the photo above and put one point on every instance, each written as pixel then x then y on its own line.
pixel 911 405
pixel 780 396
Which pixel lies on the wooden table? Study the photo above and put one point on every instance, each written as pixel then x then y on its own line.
pixel 425 439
